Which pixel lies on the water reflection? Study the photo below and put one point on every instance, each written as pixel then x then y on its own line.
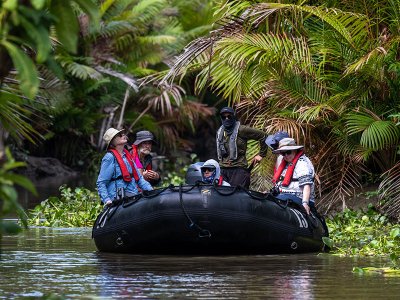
pixel 65 261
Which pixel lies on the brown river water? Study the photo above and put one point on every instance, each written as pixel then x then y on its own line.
pixel 65 261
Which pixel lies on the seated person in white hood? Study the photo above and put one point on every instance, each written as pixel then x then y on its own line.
pixel 211 173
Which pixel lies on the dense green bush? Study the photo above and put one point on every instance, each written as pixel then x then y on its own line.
pixel 75 208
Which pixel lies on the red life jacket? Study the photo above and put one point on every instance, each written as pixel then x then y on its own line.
pixel 289 172
pixel 136 154
pixel 126 176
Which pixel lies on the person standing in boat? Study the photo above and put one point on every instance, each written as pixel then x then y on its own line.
pixel 141 149
pixel 231 142
pixel 211 173
pixel 294 174
pixel 119 175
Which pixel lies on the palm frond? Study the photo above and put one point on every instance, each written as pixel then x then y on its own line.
pixel 373 55
pixel 350 26
pixel 116 28
pixel 15 118
pixel 376 134
pixel 145 11
pixel 389 192
pixel 80 71
pixel 164 98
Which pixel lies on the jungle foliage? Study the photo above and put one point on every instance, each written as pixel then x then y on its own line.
pixel 325 71
pixel 82 71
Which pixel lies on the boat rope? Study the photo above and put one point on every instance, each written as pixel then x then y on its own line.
pixel 155 193
pixel 201 231
pixel 219 190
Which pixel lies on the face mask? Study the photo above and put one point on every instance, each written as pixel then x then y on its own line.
pixel 209 179
pixel 228 122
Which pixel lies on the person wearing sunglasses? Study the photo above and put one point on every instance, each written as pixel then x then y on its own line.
pixel 119 176
pixel 294 174
pixel 211 173
pixel 231 140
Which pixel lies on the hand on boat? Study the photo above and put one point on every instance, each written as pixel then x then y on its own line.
pixel 306 207
pixel 109 202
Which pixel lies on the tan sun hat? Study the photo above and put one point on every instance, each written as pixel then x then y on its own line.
pixel 110 134
pixel 287 144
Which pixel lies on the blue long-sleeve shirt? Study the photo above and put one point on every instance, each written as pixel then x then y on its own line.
pixel 110 169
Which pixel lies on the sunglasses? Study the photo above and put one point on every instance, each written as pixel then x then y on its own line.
pixel 229 117
pixel 207 169
pixel 286 152
pixel 120 134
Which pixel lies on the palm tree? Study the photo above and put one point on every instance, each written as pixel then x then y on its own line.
pixel 326 75
pixel 25 44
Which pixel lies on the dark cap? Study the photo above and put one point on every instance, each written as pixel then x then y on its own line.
pixel 143 136
pixel 273 140
pixel 228 110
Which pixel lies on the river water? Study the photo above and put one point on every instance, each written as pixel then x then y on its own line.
pixel 64 261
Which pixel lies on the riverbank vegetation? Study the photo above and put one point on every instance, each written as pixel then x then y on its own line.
pixel 325 71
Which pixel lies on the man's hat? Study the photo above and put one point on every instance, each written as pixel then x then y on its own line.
pixel 273 140
pixel 143 136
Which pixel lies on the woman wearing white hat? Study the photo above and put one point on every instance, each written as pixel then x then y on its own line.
pixel 119 176
pixel 294 174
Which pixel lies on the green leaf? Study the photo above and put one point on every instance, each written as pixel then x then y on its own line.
pixel 38 4
pixel 66 25
pixel 27 73
pixel 22 181
pixel 41 38
pixel 10 4
pixel 358 270
pixel 394 233
pixel 327 241
pixel 90 8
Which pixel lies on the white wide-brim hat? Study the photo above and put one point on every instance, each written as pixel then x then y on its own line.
pixel 110 134
pixel 287 144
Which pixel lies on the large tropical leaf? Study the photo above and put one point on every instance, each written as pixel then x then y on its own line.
pixel 376 134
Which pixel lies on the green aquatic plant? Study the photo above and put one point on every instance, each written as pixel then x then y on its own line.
pixel 74 208
pixel 365 233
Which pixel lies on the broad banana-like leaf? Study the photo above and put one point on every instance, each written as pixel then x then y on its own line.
pixel 27 73
pixel 66 25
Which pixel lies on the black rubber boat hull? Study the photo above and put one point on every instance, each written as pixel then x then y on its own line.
pixel 206 220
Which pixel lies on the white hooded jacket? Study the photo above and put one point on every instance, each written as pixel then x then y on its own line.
pixel 213 164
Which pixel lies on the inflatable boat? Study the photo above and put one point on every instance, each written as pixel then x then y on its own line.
pixel 206 219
